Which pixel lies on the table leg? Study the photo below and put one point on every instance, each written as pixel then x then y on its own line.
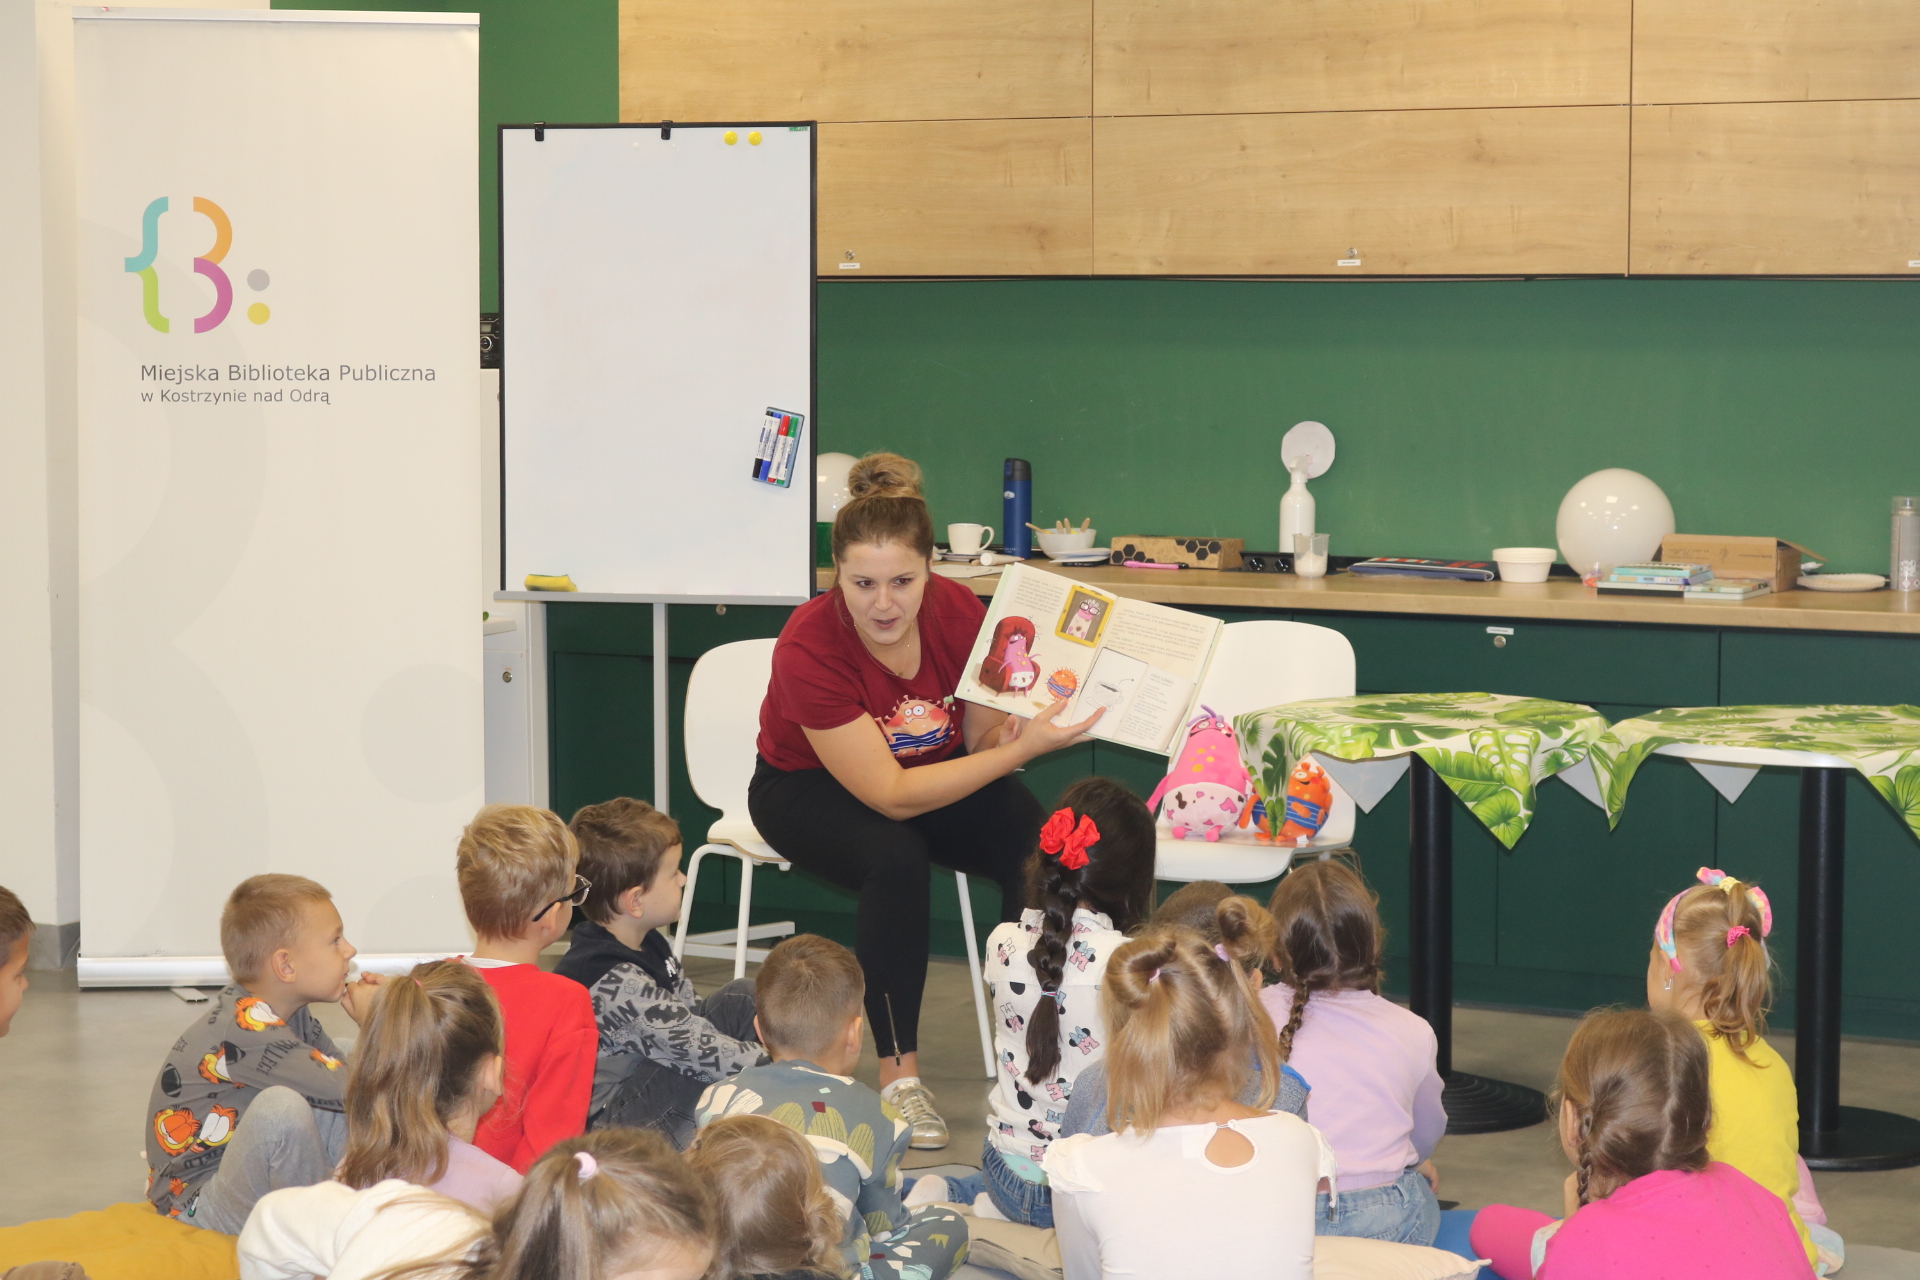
pixel 1475 1104
pixel 1832 1136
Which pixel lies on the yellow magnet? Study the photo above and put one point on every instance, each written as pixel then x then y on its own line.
pixel 754 137
pixel 731 137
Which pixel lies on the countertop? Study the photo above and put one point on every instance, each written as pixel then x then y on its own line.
pixel 1559 600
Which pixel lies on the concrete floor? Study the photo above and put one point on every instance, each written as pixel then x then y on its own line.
pixel 76 1072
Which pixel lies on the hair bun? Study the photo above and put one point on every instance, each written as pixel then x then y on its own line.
pixel 1246 929
pixel 884 475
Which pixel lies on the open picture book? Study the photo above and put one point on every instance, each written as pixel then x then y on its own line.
pixel 1048 637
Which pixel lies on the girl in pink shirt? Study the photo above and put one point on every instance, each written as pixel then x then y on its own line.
pixel 1369 1062
pixel 426 1069
pixel 1644 1199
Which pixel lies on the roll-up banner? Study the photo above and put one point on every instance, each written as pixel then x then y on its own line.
pixel 278 479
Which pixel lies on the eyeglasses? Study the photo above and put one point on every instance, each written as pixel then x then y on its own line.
pixel 581 888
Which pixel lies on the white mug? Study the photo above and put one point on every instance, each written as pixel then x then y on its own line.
pixel 969 539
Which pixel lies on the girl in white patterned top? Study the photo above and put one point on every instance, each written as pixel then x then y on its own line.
pixel 1088 885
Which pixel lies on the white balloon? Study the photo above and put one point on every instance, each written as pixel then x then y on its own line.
pixel 830 484
pixel 1611 518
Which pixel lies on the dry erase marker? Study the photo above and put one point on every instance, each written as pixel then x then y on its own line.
pixel 764 453
pixel 1148 564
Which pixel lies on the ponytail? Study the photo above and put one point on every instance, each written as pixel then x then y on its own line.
pixel 419 1060
pixel 1115 879
pixel 1328 937
pixel 1717 934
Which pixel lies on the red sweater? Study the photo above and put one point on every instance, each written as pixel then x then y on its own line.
pixel 552 1042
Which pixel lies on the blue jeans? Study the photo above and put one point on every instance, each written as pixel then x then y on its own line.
pixel 1020 1200
pixel 1405 1211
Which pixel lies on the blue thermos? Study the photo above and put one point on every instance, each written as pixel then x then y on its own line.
pixel 1016 508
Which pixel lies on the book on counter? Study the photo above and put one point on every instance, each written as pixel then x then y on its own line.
pixel 1728 590
pixel 1662 573
pixel 1399 567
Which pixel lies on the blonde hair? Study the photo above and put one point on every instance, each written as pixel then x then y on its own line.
pixel 417 1063
pixel 1327 937
pixel 512 860
pixel 1735 980
pixel 1184 1024
pixel 640 1200
pixel 1637 1080
pixel 885 505
pixel 622 843
pixel 263 914
pixel 771 1209
pixel 807 991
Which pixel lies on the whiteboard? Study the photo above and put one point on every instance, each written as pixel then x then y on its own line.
pixel 657 301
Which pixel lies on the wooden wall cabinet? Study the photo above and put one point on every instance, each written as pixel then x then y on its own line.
pixel 835 60
pixel 1784 188
pixel 956 198
pixel 1188 57
pixel 1775 50
pixel 1490 192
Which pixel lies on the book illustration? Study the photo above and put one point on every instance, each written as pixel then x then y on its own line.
pixel 1206 791
pixel 1084 617
pixel 916 726
pixel 1064 683
pixel 1009 665
pixel 1111 682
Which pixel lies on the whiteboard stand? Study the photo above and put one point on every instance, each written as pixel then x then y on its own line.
pixel 660 283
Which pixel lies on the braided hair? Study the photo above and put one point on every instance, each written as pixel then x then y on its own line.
pixel 1117 880
pixel 1329 937
pixel 1633 1098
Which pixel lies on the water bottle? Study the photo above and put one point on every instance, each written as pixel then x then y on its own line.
pixel 1904 574
pixel 1016 508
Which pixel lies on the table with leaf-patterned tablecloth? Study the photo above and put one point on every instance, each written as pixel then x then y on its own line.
pixel 1882 743
pixel 1492 749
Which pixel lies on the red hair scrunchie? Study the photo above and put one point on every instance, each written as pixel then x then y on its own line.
pixel 1062 839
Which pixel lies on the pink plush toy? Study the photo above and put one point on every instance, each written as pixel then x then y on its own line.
pixel 1208 787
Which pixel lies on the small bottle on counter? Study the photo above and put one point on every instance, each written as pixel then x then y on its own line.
pixel 1904 573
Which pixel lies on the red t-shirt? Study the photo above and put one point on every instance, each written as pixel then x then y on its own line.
pixel 553 1045
pixel 823 677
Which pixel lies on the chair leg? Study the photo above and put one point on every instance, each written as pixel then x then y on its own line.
pixel 974 963
pixel 686 897
pixel 740 933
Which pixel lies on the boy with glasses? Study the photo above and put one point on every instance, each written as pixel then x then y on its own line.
pixel 519 885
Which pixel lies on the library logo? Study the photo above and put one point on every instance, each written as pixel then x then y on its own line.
pixel 206 264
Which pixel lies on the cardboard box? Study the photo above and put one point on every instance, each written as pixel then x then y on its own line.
pixel 1772 560
pixel 1195 553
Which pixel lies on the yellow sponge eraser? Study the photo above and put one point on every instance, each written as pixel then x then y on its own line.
pixel 550 582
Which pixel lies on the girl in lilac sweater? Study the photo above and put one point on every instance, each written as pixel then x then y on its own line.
pixel 1644 1199
pixel 1370 1063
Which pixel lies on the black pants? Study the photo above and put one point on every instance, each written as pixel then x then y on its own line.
pixel 819 826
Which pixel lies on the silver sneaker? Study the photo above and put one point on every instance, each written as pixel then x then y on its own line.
pixel 914 1102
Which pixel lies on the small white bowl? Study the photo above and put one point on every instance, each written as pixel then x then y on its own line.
pixel 1524 564
pixel 1066 541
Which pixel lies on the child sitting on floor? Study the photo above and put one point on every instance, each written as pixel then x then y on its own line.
pixel 810 994
pixel 1191 906
pixel 1089 884
pixel 1709 963
pixel 16 939
pixel 426 1068
pixel 251 1096
pixel 773 1218
pixel 660 1043
pixel 518 883
pixel 620 1203
pixel 1645 1198
pixel 1191 1184
pixel 1376 1092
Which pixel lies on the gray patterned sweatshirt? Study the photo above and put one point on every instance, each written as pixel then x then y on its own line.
pixel 644 1004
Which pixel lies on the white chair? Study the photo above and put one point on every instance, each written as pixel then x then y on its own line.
pixel 1258 665
pixel 722 722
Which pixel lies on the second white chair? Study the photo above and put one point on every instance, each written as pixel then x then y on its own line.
pixel 722 723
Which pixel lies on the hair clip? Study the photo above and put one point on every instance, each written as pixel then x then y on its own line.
pixel 588 1165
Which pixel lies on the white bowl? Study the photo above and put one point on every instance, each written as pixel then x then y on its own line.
pixel 1524 564
pixel 1058 544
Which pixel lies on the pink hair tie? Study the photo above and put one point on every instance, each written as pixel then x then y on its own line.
pixel 1154 976
pixel 1738 932
pixel 588 1165
pixel 1220 949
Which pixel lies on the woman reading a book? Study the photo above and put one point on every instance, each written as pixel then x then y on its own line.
pixel 870 769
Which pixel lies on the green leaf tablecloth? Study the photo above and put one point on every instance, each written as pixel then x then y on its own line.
pixel 1883 743
pixel 1493 749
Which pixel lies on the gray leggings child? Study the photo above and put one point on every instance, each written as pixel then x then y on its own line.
pixel 655 1096
pixel 279 1142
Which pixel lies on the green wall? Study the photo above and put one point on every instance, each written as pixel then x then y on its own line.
pixel 1463 411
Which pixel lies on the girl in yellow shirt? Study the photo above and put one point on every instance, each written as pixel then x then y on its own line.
pixel 1710 963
